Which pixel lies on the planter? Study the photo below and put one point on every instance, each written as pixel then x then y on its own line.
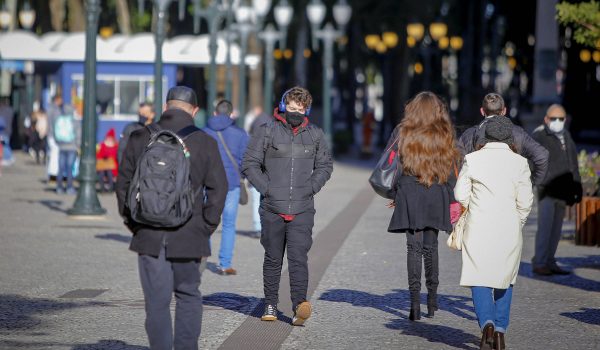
pixel 587 226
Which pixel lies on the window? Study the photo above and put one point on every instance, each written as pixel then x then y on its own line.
pixel 117 96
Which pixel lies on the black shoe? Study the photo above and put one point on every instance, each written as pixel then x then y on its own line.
pixel 487 337
pixel 415 312
pixel 542 271
pixel 432 305
pixel 558 271
pixel 270 313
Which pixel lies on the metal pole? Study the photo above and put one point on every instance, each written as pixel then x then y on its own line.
pixel 327 79
pixel 268 83
pixel 229 69
pixel 212 68
pixel 161 7
pixel 87 202
pixel 244 32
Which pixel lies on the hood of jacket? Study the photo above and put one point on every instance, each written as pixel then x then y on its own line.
pixel 219 122
pixel 281 118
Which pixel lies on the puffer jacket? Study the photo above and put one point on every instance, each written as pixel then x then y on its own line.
pixel 288 166
pixel 524 144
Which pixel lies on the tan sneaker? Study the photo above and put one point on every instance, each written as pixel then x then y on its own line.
pixel 302 313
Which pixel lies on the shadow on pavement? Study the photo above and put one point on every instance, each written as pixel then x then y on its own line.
pixel 436 333
pixel 398 302
pixel 18 312
pixel 114 237
pixel 591 316
pixel 108 345
pixel 572 280
pixel 233 302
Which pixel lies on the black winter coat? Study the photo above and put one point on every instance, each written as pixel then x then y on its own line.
pixel 287 167
pixel 207 172
pixel 524 144
pixel 419 207
pixel 562 181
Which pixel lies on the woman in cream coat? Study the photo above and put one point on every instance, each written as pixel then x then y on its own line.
pixel 495 188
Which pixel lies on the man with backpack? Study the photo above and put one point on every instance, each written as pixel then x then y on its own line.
pixel 171 189
pixel 492 106
pixel 232 142
pixel 66 133
pixel 288 162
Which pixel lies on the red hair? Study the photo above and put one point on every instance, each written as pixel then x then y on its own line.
pixel 427 146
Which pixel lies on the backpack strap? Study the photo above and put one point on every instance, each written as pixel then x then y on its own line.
pixel 187 131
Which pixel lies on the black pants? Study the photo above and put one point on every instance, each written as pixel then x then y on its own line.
pixel 296 235
pixel 160 279
pixel 422 245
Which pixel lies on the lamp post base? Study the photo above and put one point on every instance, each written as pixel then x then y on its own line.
pixel 87 203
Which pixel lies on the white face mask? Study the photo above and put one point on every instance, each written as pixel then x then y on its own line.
pixel 557 125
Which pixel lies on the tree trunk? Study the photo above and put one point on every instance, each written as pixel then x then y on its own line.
pixel 57 12
pixel 123 18
pixel 76 16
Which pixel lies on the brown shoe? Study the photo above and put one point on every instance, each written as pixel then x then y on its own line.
pixel 542 271
pixel 487 337
pixel 302 313
pixel 228 271
pixel 499 341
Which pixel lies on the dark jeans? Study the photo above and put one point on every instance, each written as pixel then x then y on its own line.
pixel 106 178
pixel 66 160
pixel 296 235
pixel 422 245
pixel 551 213
pixel 160 278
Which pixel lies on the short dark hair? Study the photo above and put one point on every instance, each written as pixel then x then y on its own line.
pixel 493 104
pixel 299 95
pixel 224 107
pixel 145 104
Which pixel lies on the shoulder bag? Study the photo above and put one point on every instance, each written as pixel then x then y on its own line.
pixel 243 190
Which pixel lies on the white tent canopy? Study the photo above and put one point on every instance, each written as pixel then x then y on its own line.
pixel 60 46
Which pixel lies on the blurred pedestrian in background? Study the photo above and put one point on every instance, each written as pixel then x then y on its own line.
pixel 145 117
pixel 232 142
pixel 39 133
pixel 428 155
pixel 106 161
pixel 494 187
pixel 561 187
pixel 6 123
pixel 66 133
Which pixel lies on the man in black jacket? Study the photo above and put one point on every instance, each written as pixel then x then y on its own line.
pixel 561 187
pixel 471 139
pixel 145 117
pixel 288 162
pixel 169 259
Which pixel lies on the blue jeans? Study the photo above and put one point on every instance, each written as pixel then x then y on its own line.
pixel 255 205
pixel 492 306
pixel 550 220
pixel 228 233
pixel 66 159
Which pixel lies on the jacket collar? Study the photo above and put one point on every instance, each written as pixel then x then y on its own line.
pixel 175 119
pixel 281 118
pixel 496 145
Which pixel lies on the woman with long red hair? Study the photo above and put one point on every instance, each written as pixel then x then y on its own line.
pixel 428 158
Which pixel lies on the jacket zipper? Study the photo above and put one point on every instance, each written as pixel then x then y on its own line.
pixel 291 176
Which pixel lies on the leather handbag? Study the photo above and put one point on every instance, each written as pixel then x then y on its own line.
pixel 243 191
pixel 456 236
pixel 387 170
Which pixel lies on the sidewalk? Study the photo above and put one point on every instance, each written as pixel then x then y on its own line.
pixel 73 284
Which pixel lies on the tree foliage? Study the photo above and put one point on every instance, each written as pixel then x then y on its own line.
pixel 585 18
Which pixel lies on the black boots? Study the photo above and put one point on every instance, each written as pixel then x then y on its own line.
pixel 432 305
pixel 415 306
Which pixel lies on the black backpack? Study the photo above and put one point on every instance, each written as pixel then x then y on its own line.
pixel 160 193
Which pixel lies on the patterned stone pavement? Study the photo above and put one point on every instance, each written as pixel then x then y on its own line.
pixel 73 284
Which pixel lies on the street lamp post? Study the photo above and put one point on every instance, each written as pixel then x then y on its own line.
pixel 316 13
pixel 161 8
pixel 87 202
pixel 243 16
pixel 270 36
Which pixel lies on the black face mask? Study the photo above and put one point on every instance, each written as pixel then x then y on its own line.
pixel 294 118
pixel 142 119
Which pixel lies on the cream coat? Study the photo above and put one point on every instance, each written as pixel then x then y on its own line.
pixel 494 185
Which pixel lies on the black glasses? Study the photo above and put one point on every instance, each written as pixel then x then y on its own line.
pixel 553 119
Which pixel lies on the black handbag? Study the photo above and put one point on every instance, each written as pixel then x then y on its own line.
pixel 383 178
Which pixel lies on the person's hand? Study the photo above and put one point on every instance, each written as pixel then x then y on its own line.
pixel 391 204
